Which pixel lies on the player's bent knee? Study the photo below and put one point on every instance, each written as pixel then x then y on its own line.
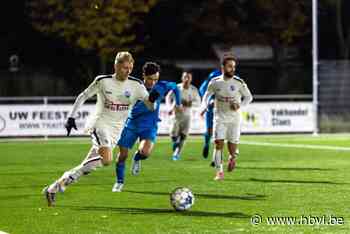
pixel 106 162
pixel 219 144
pixel 106 154
pixel 144 153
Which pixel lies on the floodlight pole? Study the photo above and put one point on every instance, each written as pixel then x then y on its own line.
pixel 315 66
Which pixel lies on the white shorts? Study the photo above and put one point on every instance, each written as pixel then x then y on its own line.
pixel 104 134
pixel 180 126
pixel 227 131
pixel 102 137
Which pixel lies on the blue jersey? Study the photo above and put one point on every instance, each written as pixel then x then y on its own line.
pixel 142 117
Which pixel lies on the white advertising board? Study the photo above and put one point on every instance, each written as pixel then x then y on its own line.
pixel 40 120
pixel 48 120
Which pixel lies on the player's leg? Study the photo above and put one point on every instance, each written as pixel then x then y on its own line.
pixel 208 134
pixel 184 127
pixel 120 169
pixel 207 138
pixel 144 151
pixel 91 162
pixel 218 159
pixel 147 139
pixel 98 156
pixel 126 141
pixel 233 150
pixel 233 136
pixel 219 137
pixel 174 134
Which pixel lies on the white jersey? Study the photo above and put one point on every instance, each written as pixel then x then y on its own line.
pixel 189 95
pixel 227 91
pixel 114 99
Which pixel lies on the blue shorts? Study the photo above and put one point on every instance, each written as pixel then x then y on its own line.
pixel 209 118
pixel 129 136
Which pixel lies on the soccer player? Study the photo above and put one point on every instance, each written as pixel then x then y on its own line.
pixel 181 122
pixel 231 93
pixel 115 93
pixel 142 124
pixel 209 113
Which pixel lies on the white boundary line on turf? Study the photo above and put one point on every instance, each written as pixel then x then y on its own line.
pixel 301 146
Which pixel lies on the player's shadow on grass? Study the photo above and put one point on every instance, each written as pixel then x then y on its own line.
pixel 132 210
pixel 209 196
pixel 288 168
pixel 292 181
pixel 82 184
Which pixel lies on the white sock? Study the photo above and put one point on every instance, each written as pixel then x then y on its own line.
pixel 213 155
pixel 221 169
pixel 236 153
pixel 217 158
pixel 74 174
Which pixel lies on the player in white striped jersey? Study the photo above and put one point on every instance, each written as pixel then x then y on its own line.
pixel 182 119
pixel 115 95
pixel 231 93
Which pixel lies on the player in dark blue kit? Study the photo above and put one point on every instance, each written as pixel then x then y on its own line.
pixel 142 123
pixel 209 114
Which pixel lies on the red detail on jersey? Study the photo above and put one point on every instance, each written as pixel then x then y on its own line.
pixel 116 106
pixel 225 99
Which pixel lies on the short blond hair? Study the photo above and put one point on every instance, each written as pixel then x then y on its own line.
pixel 123 56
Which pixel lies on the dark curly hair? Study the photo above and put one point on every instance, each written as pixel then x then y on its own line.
pixel 150 68
pixel 228 57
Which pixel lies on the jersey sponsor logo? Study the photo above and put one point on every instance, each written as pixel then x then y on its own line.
pixel 225 99
pixel 116 106
pixel 127 94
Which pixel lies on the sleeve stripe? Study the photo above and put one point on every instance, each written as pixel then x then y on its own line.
pixel 239 79
pixel 135 79
pixel 103 77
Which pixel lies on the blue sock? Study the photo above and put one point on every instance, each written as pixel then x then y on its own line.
pixel 119 169
pixel 175 142
pixel 138 156
pixel 207 138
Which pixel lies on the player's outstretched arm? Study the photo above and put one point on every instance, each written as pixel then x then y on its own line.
pixel 82 97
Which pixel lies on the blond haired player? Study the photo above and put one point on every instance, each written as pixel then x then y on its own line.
pixel 116 93
pixel 231 93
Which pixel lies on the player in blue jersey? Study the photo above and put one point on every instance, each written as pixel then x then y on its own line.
pixel 209 114
pixel 142 123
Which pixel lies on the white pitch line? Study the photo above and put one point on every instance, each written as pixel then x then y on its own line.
pixel 301 146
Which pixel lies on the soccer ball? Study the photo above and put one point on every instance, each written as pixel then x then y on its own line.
pixel 181 199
